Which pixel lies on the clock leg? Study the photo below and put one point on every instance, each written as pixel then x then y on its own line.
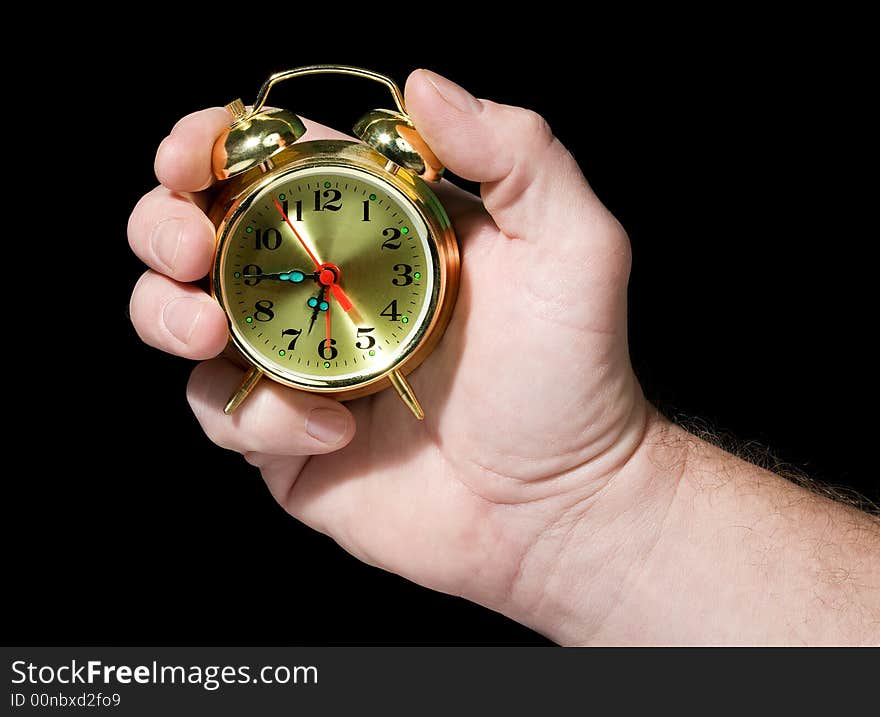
pixel 407 395
pixel 251 379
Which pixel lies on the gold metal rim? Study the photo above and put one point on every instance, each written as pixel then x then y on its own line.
pixel 328 153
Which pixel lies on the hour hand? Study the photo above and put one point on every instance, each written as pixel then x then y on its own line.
pixel 318 305
pixel 294 275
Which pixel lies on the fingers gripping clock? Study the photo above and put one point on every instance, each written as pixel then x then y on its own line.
pixel 335 264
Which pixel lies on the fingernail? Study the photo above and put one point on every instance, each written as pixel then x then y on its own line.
pixel 326 425
pixel 457 96
pixel 165 241
pixel 181 316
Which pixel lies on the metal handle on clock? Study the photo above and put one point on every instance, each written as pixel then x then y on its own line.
pixel 390 132
pixel 331 70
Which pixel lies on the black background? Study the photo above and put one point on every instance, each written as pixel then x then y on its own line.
pixel 735 158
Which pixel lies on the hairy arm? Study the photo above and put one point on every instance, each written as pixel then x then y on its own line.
pixel 689 544
pixel 569 506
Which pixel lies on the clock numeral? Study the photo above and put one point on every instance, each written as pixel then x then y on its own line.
pixel 328 353
pixel 366 204
pixel 392 238
pixel 298 208
pixel 267 239
pixel 363 334
pixel 391 311
pixel 251 269
pixel 404 275
pixel 331 196
pixel 263 310
pixel 291 332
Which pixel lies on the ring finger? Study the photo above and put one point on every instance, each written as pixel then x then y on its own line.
pixel 178 318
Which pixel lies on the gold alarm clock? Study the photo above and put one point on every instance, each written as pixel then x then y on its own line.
pixel 335 264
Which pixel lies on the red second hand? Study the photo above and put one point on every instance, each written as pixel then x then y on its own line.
pixel 341 297
pixel 296 234
pixel 329 304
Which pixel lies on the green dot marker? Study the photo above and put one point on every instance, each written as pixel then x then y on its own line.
pixel 237 275
pixel 282 352
pixel 372 197
pixel 249 320
pixel 404 230
pixel 282 197
pixel 326 364
pixel 327 186
pixel 418 275
pixel 405 320
pixel 372 353
pixel 249 229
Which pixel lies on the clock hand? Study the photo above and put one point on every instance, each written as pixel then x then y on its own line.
pixel 341 297
pixel 294 275
pixel 329 304
pixel 316 306
pixel 312 255
pixel 329 276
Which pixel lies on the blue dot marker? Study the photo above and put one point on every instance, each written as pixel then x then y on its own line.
pixel 284 277
pixel 313 302
pixel 297 276
pixel 324 306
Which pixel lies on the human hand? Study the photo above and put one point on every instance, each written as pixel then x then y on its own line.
pixel 531 404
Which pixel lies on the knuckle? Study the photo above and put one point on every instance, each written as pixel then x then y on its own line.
pixel 145 310
pixel 197 379
pixel 533 127
pixel 616 252
pixel 140 221
pixel 217 433
pixel 255 458
pixel 216 430
pixel 535 140
pixel 136 221
pixel 137 295
pixel 263 421
pixel 211 421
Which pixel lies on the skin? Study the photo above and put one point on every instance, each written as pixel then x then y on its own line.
pixel 569 505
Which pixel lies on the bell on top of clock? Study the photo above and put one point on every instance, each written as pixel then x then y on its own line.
pixel 253 140
pixel 393 136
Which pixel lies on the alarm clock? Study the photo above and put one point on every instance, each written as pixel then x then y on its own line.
pixel 335 264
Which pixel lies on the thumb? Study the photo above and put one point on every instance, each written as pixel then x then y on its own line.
pixel 531 185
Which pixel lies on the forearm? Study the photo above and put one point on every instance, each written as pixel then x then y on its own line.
pixel 688 544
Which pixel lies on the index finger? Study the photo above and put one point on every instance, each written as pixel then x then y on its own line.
pixel 183 161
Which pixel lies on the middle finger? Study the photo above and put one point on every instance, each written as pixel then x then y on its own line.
pixel 170 234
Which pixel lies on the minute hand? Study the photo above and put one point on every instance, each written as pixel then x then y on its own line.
pixel 285 276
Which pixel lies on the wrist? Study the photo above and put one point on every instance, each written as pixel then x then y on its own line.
pixel 575 572
pixel 688 544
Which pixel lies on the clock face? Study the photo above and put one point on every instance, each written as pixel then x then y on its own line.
pixel 328 276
